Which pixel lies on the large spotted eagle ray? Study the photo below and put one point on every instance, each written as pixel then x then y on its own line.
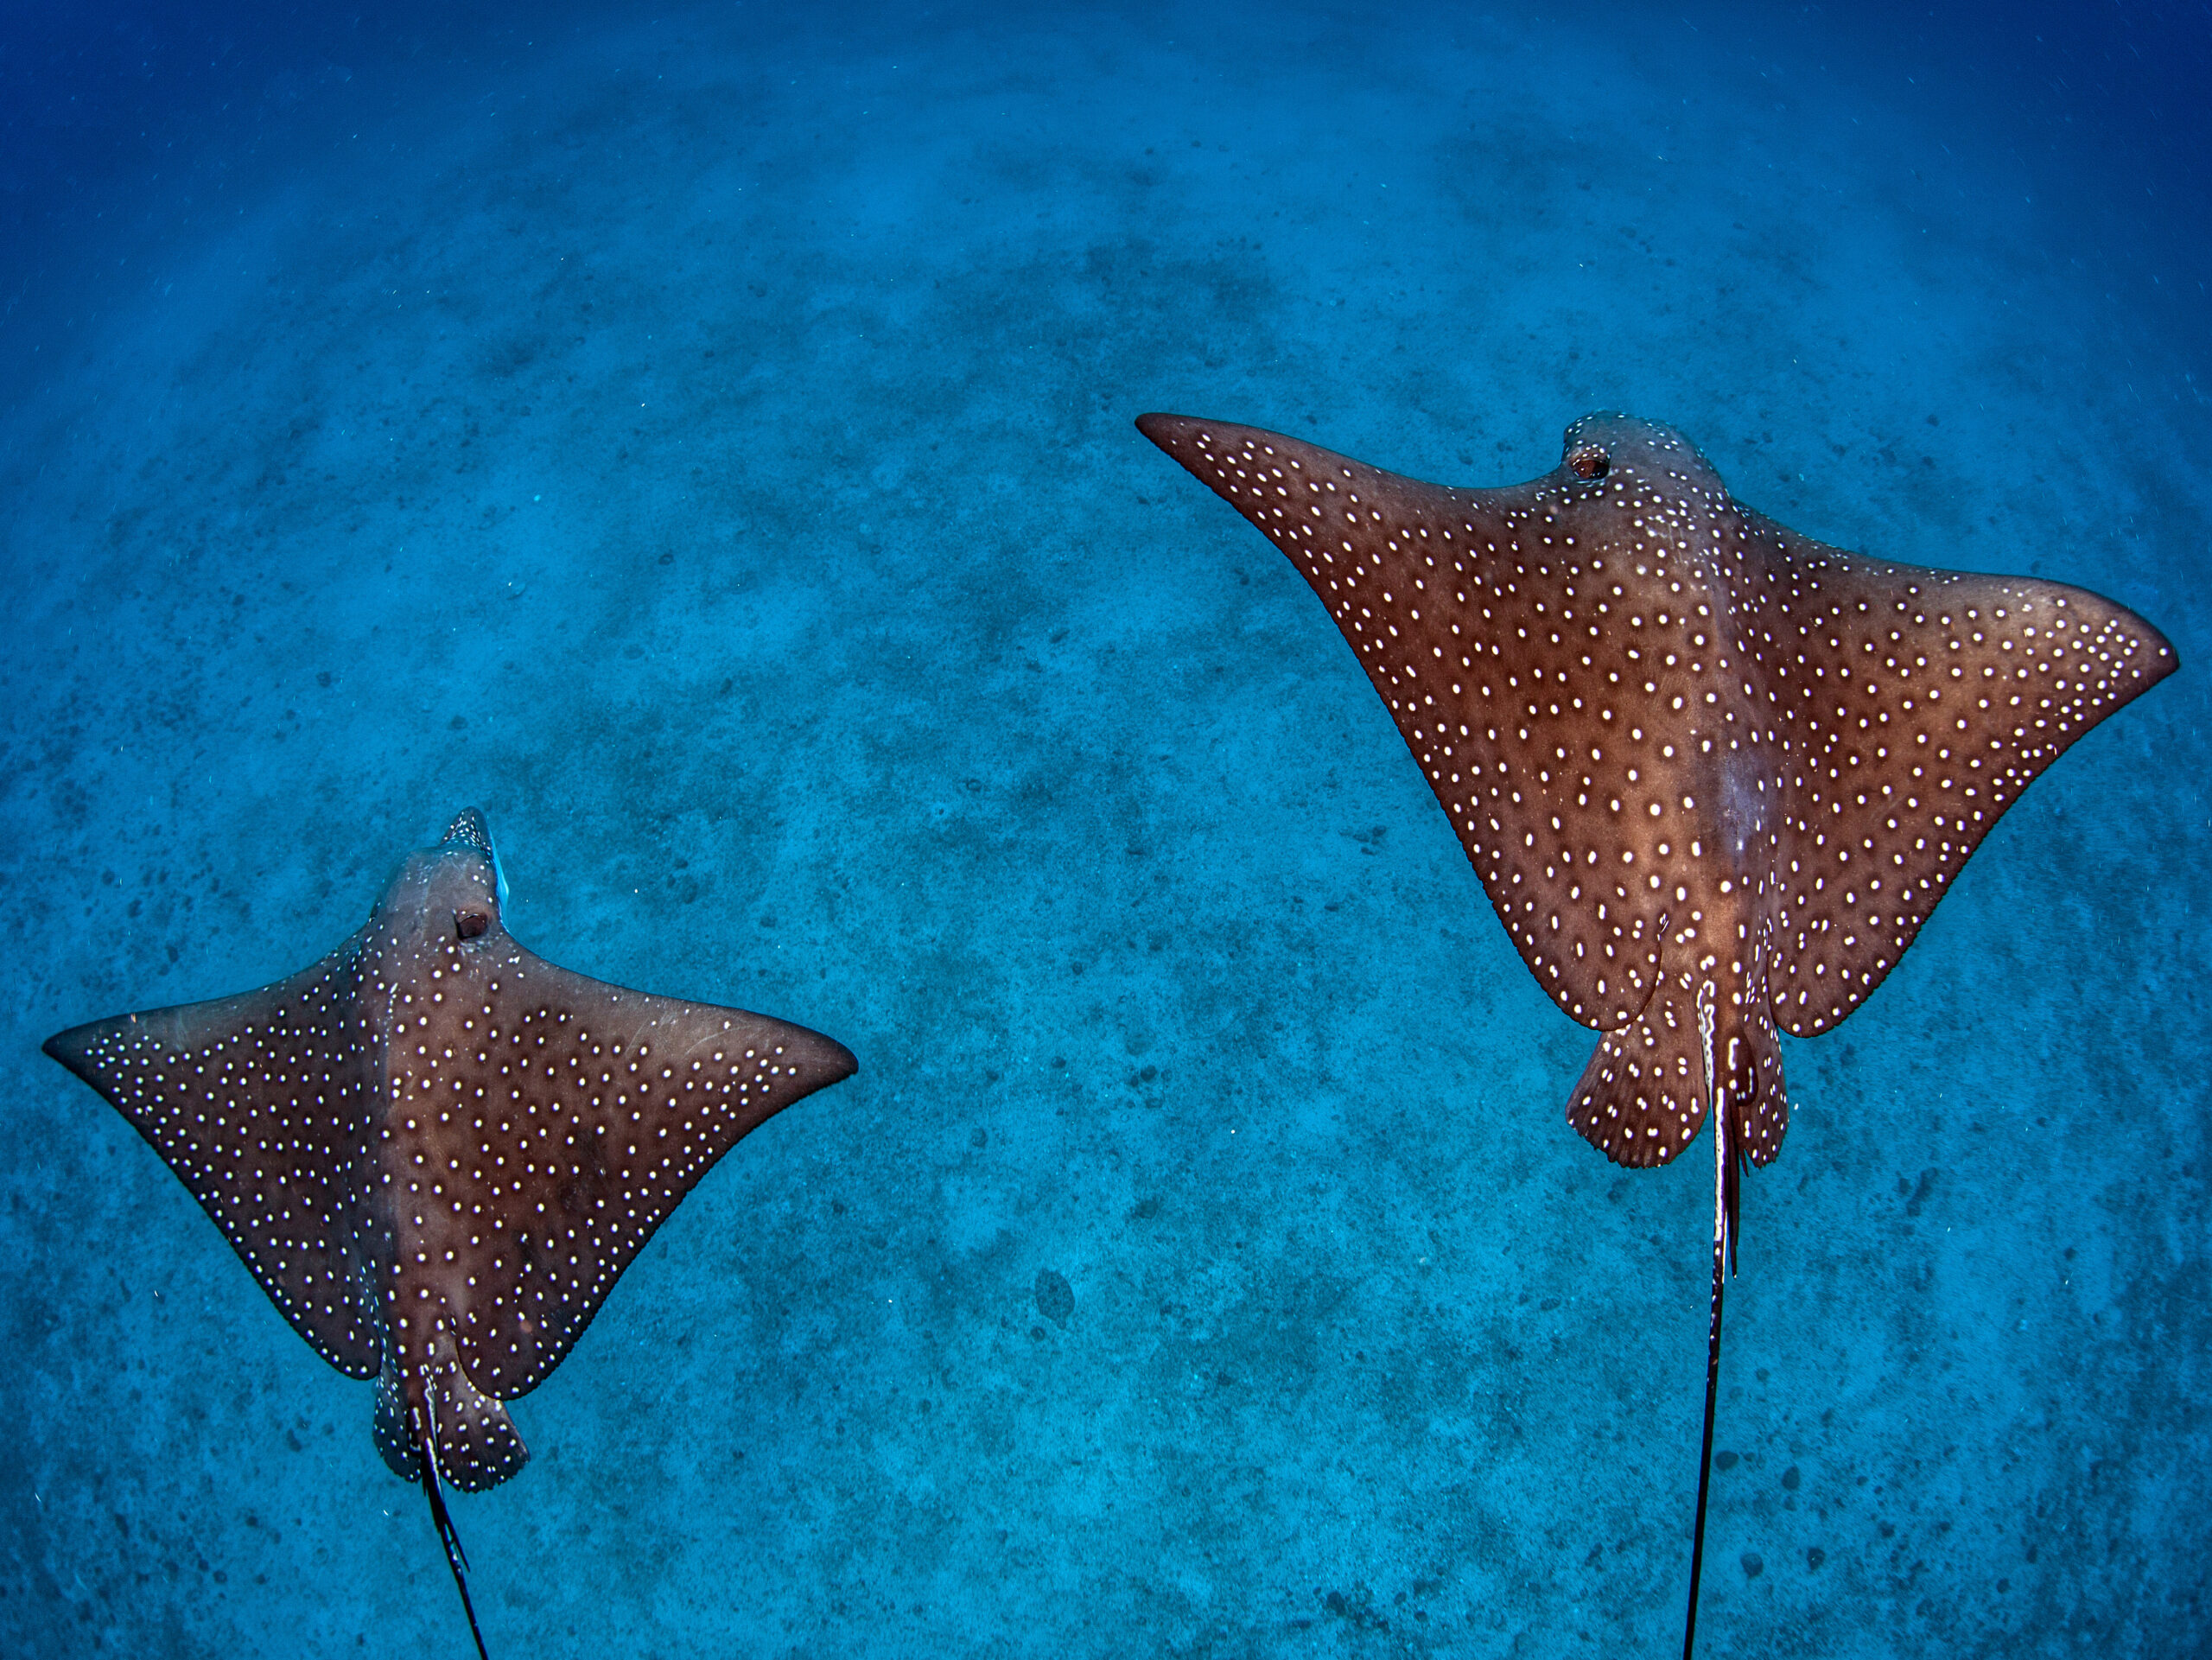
pixel 1714 774
pixel 437 1151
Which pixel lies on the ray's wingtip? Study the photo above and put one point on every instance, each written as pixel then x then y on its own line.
pixel 68 1048
pixel 73 1050
pixel 828 1061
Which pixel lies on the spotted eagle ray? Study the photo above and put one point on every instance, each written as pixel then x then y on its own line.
pixel 1714 774
pixel 437 1151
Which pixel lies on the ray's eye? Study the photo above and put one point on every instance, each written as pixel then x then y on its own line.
pixel 470 923
pixel 1588 461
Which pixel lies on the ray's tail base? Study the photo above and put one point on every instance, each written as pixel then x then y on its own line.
pixel 1645 1093
pixel 477 1444
pixel 456 1558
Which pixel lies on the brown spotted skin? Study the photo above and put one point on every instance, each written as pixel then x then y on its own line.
pixel 1713 775
pixel 436 1152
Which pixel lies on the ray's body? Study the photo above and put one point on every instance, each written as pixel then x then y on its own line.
pixel 1712 774
pixel 436 1152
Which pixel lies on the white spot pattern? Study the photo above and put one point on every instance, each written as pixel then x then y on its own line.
pixel 1682 747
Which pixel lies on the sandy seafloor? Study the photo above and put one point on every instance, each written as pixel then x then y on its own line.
pixel 704 442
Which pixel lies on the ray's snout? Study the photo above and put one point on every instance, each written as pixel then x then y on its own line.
pixel 468 830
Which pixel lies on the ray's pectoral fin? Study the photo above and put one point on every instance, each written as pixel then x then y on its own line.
pixel 258 1103
pixel 1644 1096
pixel 648 1093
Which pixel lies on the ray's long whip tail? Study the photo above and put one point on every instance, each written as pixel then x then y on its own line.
pixel 1724 1261
pixel 456 1558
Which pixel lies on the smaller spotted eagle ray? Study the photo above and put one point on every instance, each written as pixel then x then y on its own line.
pixel 436 1152
pixel 1713 775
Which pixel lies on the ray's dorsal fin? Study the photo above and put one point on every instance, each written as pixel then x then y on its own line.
pixel 261 1104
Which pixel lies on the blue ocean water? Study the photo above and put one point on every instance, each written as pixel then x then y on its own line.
pixel 703 440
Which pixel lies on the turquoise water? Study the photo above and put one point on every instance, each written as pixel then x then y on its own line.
pixel 704 442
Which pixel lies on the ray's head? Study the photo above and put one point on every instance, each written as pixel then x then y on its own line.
pixel 1606 453
pixel 456 886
